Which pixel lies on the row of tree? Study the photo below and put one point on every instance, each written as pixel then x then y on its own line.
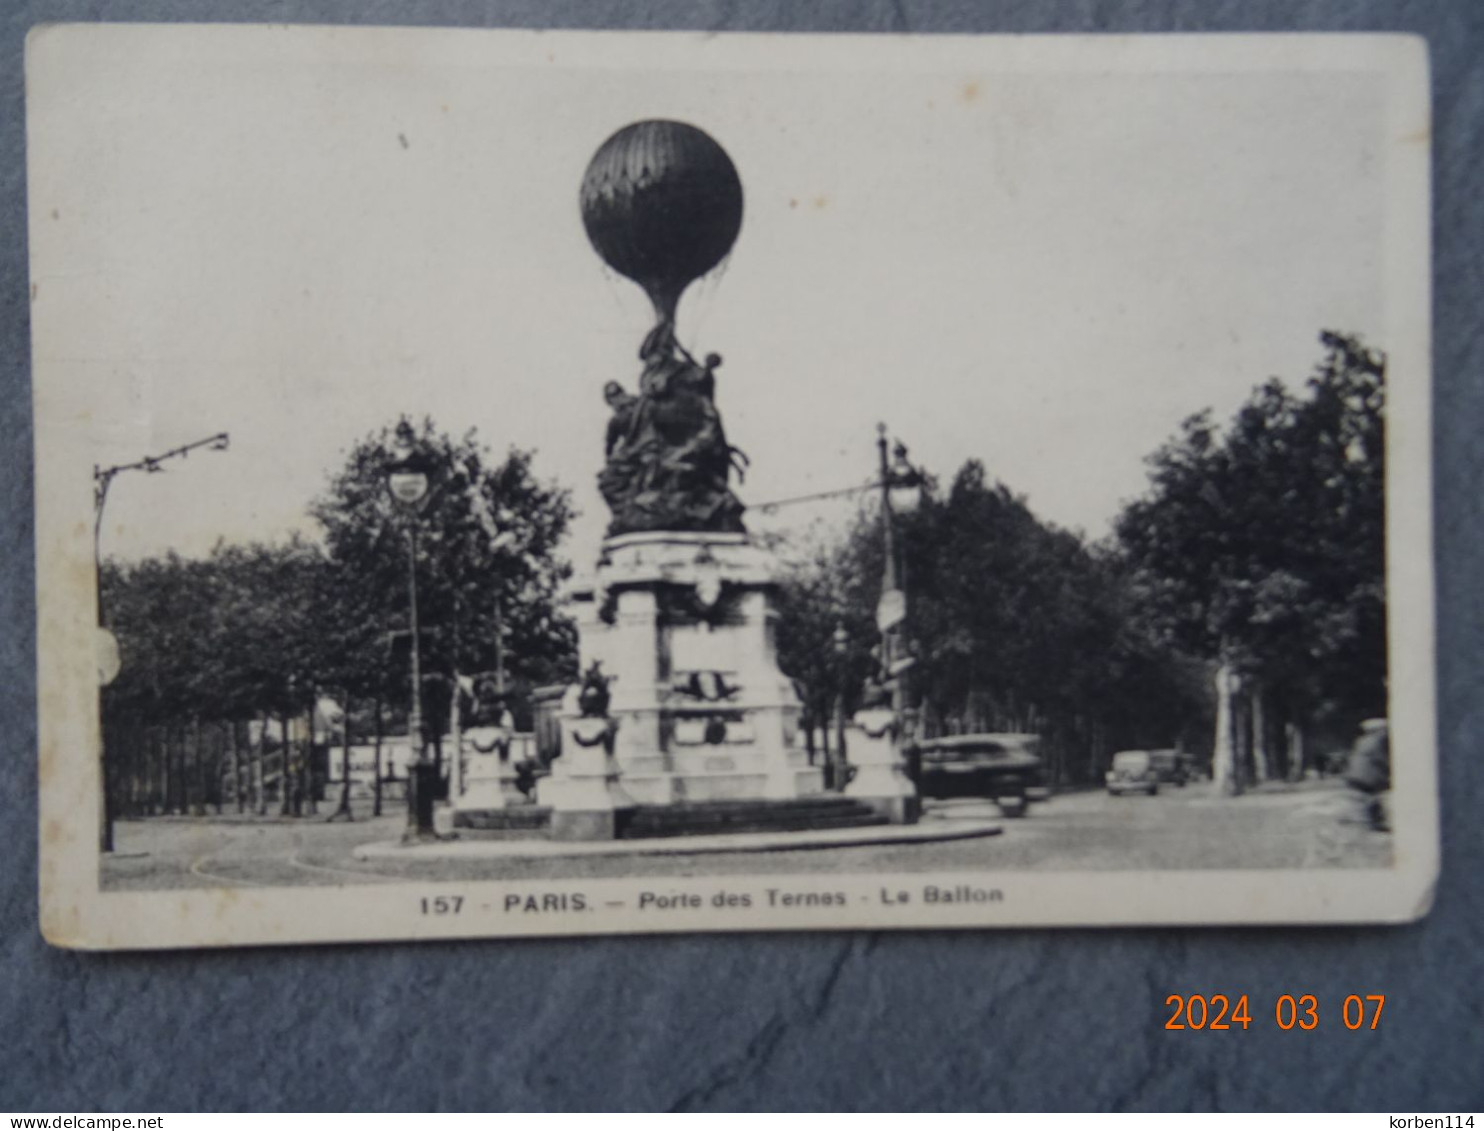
pixel 1261 549
pixel 1246 588
pixel 1016 626
pixel 262 632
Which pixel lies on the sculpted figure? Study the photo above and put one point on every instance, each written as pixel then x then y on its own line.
pixel 623 405
pixel 593 698
pixel 668 457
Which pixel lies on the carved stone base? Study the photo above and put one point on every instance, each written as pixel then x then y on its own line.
pixel 486 780
pixel 583 790
pixel 683 624
pixel 585 824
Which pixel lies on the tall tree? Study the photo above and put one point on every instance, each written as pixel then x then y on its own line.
pixel 823 594
pixel 1261 546
pixel 487 565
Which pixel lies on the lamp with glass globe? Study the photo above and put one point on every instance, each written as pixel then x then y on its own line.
pixel 407 480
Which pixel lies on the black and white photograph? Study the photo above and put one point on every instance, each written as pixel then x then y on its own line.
pixel 511 483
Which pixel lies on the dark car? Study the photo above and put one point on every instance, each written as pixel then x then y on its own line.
pixel 1002 767
pixel 1174 767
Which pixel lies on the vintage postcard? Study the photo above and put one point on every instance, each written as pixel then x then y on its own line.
pixel 506 483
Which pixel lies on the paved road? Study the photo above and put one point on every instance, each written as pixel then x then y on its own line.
pixel 1276 827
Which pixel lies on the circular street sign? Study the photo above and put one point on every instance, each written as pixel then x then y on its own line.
pixel 109 661
pixel 408 487
pixel 892 610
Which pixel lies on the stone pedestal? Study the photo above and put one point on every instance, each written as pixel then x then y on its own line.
pixel 879 772
pixel 683 626
pixel 486 777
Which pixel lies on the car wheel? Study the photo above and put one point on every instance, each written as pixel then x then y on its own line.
pixel 1012 806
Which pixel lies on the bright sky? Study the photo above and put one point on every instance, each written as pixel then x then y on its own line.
pixel 1043 261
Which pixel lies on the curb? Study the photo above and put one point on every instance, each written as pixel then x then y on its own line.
pixel 924 833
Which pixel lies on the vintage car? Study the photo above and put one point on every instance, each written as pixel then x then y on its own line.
pixel 1173 766
pixel 1134 771
pixel 1002 767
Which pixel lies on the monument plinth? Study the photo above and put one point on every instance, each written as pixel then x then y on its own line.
pixel 683 623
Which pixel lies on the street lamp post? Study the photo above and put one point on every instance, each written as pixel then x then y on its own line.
pixel 103 478
pixel 901 493
pixel 835 764
pixel 407 481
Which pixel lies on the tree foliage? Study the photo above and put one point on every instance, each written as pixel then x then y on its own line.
pixel 254 629
pixel 1017 625
pixel 1263 543
pixel 224 637
pixel 487 563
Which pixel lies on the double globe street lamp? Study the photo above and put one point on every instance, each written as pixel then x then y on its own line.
pixel 901 494
pixel 901 487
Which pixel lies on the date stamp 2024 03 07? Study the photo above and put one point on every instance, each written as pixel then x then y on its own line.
pixel 464 507
pixel 1222 1012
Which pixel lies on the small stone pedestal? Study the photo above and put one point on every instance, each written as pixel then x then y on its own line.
pixel 880 773
pixel 583 791
pixel 487 777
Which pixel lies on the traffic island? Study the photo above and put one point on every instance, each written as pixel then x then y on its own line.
pixel 926 832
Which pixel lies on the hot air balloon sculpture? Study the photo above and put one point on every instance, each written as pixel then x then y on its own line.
pixel 662 205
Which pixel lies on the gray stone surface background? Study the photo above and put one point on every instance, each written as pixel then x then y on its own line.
pixel 1022 1020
